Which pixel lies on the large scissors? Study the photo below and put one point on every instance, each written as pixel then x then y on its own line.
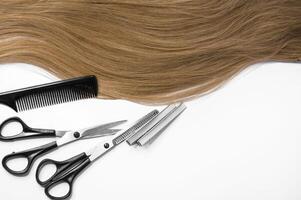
pixel 66 137
pixel 68 170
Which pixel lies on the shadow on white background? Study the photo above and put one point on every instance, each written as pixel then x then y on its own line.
pixel 240 142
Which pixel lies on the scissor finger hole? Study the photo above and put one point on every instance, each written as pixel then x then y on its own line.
pixel 17 164
pixel 59 190
pixel 47 171
pixel 11 129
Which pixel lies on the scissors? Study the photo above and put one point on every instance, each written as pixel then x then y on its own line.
pixel 65 137
pixel 68 170
pixel 27 132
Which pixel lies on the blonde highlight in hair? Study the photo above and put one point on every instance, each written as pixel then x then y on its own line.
pixel 154 51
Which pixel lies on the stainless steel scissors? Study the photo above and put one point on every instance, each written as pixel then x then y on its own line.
pixel 66 137
pixel 27 132
pixel 68 170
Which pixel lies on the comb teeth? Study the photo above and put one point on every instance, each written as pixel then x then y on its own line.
pixel 129 132
pixel 53 97
pixel 50 93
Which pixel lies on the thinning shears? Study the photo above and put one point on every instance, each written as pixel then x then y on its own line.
pixel 68 170
pixel 65 137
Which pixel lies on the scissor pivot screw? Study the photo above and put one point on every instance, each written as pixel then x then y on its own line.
pixel 106 145
pixel 76 134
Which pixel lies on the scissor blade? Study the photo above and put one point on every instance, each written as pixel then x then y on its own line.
pixel 102 130
pixel 104 133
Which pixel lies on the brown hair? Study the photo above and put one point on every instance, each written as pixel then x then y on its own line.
pixel 151 51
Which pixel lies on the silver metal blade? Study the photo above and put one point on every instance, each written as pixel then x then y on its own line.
pixel 108 132
pixel 137 125
pixel 105 146
pixel 160 126
pixel 91 135
pixel 60 133
pixel 101 130
pixel 167 110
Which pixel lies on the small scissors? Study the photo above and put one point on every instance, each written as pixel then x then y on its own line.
pixel 28 132
pixel 66 137
pixel 68 170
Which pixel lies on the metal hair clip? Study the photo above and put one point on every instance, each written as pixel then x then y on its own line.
pixel 150 131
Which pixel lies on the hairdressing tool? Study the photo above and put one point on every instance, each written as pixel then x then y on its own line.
pixel 68 170
pixel 67 137
pixel 27 132
pixel 162 115
pixel 50 93
pixel 155 130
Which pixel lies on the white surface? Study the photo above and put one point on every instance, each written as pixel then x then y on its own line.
pixel 241 142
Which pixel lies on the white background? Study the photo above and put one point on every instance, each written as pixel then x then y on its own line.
pixel 240 142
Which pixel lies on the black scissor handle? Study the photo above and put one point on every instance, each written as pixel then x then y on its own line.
pixel 30 155
pixel 66 172
pixel 60 167
pixel 27 132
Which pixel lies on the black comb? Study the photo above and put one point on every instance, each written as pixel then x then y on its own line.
pixel 51 93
